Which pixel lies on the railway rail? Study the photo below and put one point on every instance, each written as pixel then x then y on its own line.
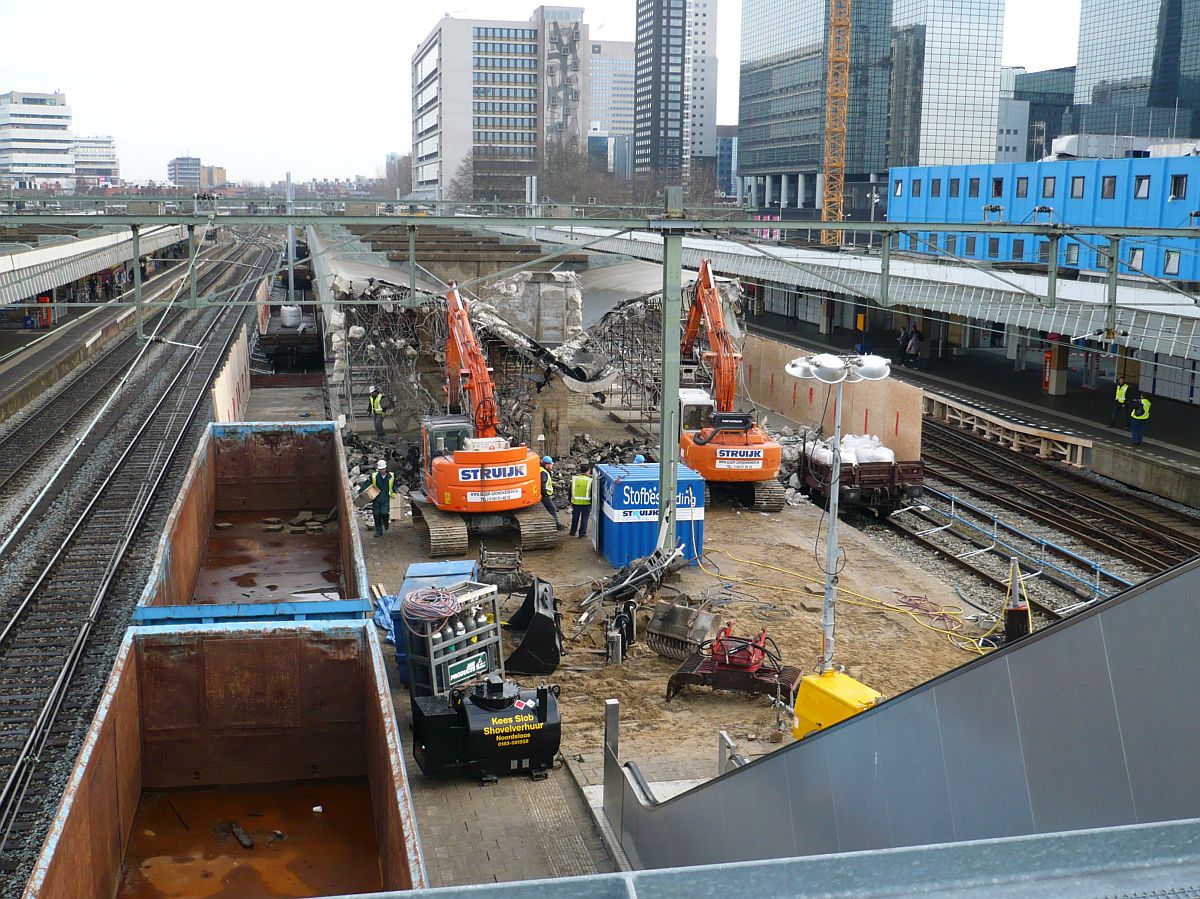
pixel 1119 524
pixel 43 431
pixel 59 588
pixel 1130 526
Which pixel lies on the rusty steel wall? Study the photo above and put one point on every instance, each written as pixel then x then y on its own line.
pixel 251 708
pixel 181 548
pixel 355 583
pixel 274 465
pixel 84 850
pixel 395 818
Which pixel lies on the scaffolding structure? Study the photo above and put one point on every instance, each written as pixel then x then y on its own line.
pixel 629 334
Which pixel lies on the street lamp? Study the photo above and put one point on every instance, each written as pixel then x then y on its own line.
pixel 830 369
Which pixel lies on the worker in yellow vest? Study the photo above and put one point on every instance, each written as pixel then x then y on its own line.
pixel 1138 417
pixel 1120 410
pixel 547 480
pixel 376 408
pixel 581 500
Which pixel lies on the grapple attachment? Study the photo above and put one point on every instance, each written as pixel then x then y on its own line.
pixel 677 630
pixel 740 665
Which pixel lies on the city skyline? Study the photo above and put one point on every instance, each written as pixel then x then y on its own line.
pixel 234 106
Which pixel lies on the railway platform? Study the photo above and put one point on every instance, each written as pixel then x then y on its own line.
pixel 986 379
pixel 31 361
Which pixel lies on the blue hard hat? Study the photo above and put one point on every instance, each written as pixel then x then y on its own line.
pixel 638 458
pixel 546 460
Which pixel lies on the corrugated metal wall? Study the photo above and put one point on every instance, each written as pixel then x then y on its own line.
pixel 1090 723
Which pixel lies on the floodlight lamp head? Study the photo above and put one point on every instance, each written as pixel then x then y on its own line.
pixel 873 368
pixel 828 368
pixel 800 367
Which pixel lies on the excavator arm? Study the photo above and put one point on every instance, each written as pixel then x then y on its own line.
pixel 467 370
pixel 721 357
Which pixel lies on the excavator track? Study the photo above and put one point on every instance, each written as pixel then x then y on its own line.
pixel 537 528
pixel 445 533
pixel 769 496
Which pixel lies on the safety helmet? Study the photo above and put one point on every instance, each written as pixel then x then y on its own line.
pixel 638 458
pixel 546 460
pixel 374 389
pixel 381 464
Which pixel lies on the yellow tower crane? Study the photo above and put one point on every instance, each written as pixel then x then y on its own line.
pixel 837 105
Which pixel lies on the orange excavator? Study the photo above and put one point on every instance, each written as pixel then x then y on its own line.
pixel 471 478
pixel 723 445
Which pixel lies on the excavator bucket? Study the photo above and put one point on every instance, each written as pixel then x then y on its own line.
pixel 540 625
pixel 676 630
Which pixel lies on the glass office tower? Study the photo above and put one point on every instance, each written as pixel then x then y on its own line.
pixel 945 81
pixel 781 114
pixel 1139 68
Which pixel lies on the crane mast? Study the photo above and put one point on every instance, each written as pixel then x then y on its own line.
pixel 837 106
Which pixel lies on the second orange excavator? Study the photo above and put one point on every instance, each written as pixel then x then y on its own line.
pixel 722 444
pixel 472 478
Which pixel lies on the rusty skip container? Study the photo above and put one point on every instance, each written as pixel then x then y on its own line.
pixel 220 560
pixel 298 708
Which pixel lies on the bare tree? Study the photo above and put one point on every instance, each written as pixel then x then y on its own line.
pixel 567 176
pixel 461 188
pixel 398 176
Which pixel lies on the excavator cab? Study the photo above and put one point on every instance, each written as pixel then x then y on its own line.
pixel 442 435
pixel 696 409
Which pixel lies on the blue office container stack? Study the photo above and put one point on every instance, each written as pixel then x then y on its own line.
pixel 627 515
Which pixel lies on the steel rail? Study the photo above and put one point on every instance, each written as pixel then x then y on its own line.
pixel 16 785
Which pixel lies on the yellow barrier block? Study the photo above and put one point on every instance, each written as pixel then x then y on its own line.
pixel 827 698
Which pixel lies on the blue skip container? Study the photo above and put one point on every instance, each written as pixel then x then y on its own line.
pixel 627 516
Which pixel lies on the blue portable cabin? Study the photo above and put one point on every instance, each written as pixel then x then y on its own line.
pixel 626 516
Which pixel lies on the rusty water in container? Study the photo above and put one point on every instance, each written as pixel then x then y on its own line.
pixel 183 843
pixel 246 564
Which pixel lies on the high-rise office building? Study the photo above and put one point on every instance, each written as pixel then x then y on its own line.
pixel 1139 69
pixel 660 153
pixel 945 87
pixel 700 78
pixel 526 86
pixel 781 115
pixel 184 171
pixel 727 160
pixel 610 73
pixel 37 148
pixel 96 163
pixel 1049 94
pixel 1012 118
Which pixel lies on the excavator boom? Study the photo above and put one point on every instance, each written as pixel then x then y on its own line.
pixel 729 447
pixel 467 371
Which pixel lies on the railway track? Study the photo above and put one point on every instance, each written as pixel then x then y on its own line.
pixel 57 590
pixel 1118 524
pixel 44 431
pixel 1124 524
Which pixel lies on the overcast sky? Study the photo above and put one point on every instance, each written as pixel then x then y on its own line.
pixel 323 91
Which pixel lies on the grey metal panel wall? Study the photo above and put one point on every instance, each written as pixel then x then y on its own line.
pixel 1091 723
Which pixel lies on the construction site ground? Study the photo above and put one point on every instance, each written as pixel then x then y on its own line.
pixel 531 830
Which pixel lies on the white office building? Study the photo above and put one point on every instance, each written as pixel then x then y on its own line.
pixel 610 68
pixel 525 85
pixel 96 163
pixel 37 148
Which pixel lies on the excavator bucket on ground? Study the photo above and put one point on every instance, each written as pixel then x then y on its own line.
pixel 677 630
pixel 540 625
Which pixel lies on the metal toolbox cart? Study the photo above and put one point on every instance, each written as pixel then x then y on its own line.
pixel 438 663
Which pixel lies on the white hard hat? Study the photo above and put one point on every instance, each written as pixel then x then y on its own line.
pixel 374 389
pixel 381 464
